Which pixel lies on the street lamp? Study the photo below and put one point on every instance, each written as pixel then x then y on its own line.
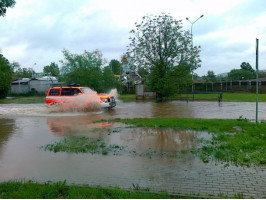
pixel 192 44
pixel 32 69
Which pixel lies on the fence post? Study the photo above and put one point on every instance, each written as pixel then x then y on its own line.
pixel 257 77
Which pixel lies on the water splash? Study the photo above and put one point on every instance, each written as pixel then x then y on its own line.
pixel 114 93
pixel 90 101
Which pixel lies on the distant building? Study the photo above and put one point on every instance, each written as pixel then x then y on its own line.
pixel 37 85
pixel 20 86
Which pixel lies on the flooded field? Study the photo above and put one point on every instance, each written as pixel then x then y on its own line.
pixel 25 128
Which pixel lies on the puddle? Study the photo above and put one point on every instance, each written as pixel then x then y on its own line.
pixel 143 139
pixel 137 139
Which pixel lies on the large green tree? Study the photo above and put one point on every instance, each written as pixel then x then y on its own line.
pixel 5 76
pixel 116 67
pixel 5 69
pixel 4 4
pixel 160 46
pixel 245 72
pixel 240 74
pixel 87 69
pixel 246 66
pixel 52 69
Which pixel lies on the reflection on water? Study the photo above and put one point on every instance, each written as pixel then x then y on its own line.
pixel 139 139
pixel 7 127
pixel 142 139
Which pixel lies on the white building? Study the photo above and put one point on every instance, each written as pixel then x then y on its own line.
pixel 38 85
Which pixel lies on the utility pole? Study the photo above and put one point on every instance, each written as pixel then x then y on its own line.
pixel 257 77
pixel 192 46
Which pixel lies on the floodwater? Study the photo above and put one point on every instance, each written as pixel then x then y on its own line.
pixel 24 128
pixel 182 109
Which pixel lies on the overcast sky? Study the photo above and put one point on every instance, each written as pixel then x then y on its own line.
pixel 36 31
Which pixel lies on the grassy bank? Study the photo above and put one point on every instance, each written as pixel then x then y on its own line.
pixel 227 97
pixel 60 190
pixel 127 97
pixel 237 141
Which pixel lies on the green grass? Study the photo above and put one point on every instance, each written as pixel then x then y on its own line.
pixel 81 144
pixel 243 147
pixel 127 97
pixel 60 190
pixel 228 97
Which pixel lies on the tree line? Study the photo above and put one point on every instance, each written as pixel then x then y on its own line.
pixel 246 72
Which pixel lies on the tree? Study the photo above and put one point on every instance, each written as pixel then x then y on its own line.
pixel 144 74
pixel 196 76
pixel 262 74
pixel 19 72
pixel 4 4
pixel 246 66
pixel 116 67
pixel 240 74
pixel 52 69
pixel 5 76
pixel 210 76
pixel 109 80
pixel 245 73
pixel 86 69
pixel 15 66
pixel 160 46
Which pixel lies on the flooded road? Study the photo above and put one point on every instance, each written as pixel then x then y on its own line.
pixel 27 127
pixel 181 109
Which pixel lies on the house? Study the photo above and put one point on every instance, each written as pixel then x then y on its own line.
pixel 20 86
pixel 36 85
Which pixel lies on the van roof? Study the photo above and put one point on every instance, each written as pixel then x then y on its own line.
pixel 67 87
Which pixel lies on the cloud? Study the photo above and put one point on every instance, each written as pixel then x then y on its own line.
pixel 37 31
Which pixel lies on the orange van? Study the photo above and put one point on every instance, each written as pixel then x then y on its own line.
pixel 67 94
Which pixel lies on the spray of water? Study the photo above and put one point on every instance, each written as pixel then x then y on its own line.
pixel 90 101
pixel 114 93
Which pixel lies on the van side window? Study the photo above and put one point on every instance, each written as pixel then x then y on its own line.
pixel 76 91
pixel 54 92
pixel 70 91
pixel 66 92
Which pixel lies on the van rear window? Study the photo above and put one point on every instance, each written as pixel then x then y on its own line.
pixel 54 92
pixel 66 92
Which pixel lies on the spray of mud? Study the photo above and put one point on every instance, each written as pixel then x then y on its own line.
pixel 90 101
pixel 114 93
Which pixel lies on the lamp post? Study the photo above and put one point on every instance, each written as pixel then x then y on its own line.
pixel 32 69
pixel 192 23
